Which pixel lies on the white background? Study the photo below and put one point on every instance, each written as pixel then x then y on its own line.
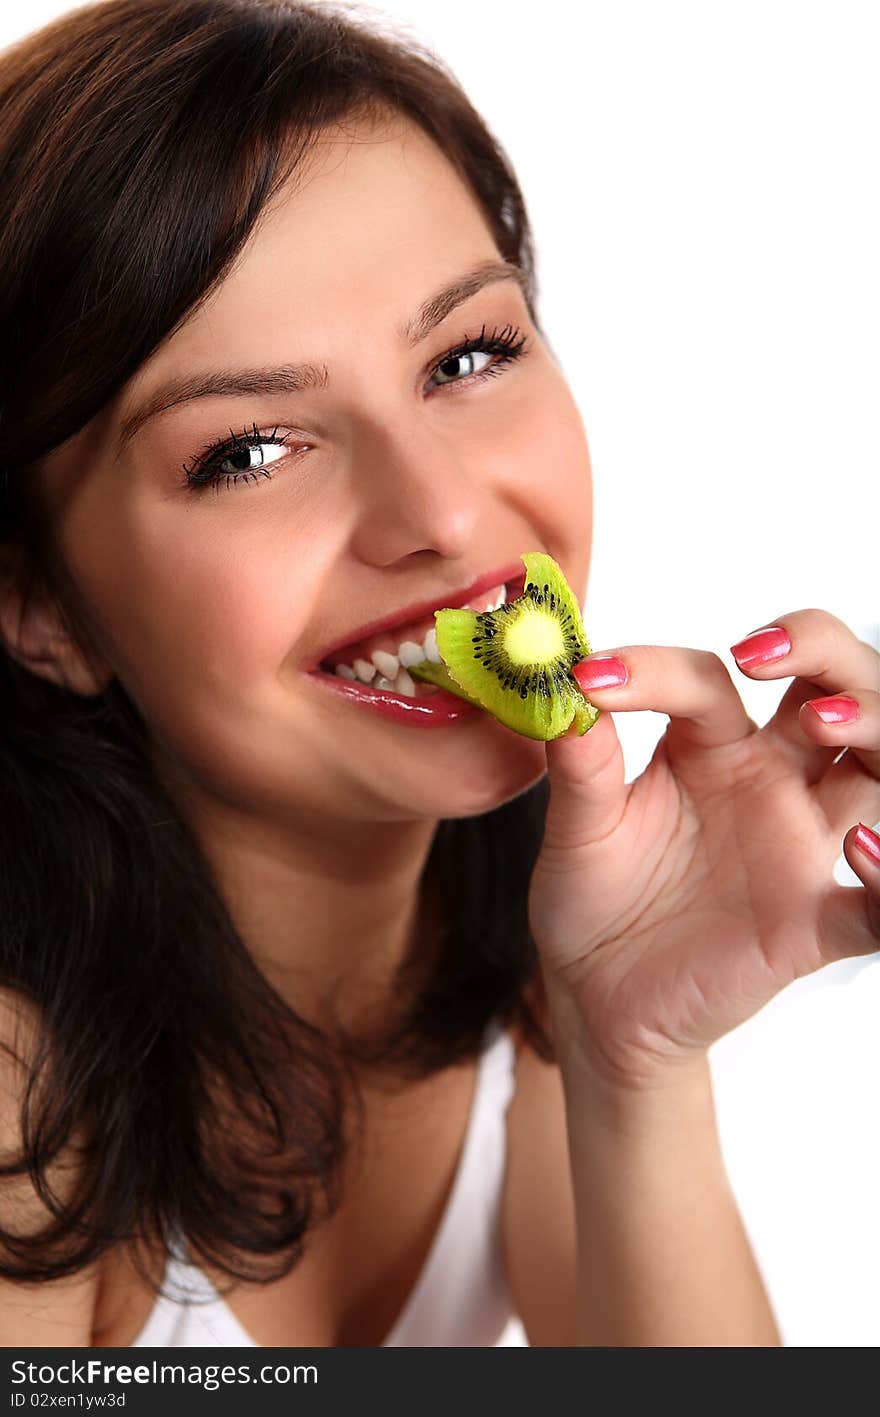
pixel 702 181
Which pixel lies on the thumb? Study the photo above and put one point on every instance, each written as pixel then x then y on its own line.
pixel 588 791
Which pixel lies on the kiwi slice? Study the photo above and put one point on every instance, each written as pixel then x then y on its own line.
pixel 516 661
pixel 438 674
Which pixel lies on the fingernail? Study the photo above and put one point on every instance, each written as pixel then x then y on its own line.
pixel 761 647
pixel 600 672
pixel 840 708
pixel 869 842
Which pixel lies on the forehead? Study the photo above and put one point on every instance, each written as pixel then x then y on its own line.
pixel 372 221
pixel 384 163
pixel 371 213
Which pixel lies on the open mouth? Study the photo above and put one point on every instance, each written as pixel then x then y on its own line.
pixel 382 661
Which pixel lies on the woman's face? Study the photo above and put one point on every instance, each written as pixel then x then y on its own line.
pixel 396 484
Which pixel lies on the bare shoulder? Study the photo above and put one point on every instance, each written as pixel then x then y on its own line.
pixel 55 1312
pixel 538 1215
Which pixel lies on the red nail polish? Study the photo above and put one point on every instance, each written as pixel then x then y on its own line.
pixel 869 842
pixel 603 672
pixel 840 708
pixel 761 647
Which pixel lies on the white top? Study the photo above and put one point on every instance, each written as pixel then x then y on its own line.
pixel 460 1299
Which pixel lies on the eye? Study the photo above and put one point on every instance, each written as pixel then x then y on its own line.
pixel 505 346
pixel 248 458
pixel 449 363
pixel 240 458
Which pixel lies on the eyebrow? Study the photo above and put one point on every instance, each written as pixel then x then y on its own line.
pixel 294 378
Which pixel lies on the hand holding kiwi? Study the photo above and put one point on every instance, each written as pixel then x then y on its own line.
pixel 669 909
pixel 516 661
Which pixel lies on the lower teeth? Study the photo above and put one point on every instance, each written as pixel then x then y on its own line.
pixel 421 691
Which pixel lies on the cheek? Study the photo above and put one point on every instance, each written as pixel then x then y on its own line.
pixel 564 463
pixel 192 598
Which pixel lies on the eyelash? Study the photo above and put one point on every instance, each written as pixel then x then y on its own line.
pixel 508 344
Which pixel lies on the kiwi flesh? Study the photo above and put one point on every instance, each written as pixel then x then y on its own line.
pixel 516 661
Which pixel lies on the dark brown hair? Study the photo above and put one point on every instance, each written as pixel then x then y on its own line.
pixel 139 142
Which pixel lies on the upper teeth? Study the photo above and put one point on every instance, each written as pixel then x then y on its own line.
pixel 391 668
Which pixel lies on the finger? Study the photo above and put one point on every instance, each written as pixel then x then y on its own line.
pixel 861 847
pixel 822 653
pixel 845 792
pixel 806 756
pixel 849 919
pixel 692 686
pixel 850 785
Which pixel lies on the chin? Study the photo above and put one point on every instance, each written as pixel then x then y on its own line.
pixel 497 778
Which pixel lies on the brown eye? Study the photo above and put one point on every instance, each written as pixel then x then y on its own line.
pixel 238 458
pixel 506 345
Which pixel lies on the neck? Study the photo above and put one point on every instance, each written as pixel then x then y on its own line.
pixel 341 919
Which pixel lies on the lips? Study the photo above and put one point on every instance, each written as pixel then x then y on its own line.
pixel 397 628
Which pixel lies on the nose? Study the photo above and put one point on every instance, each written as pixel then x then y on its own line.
pixel 416 490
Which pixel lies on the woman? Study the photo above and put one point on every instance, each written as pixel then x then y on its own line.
pixel 345 994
